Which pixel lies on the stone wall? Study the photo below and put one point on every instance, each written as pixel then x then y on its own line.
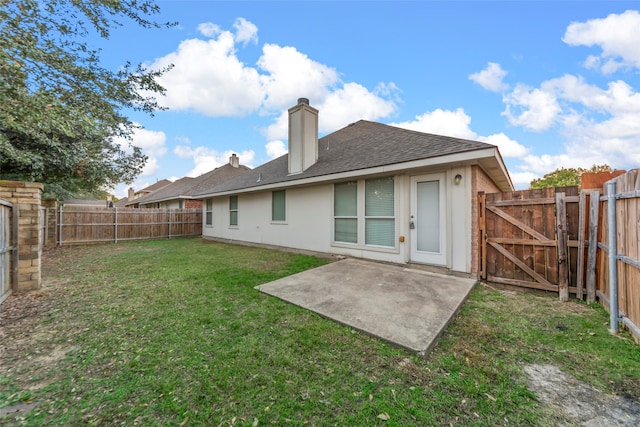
pixel 26 195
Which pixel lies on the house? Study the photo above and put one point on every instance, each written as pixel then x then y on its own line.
pixel 179 194
pixel 368 190
pixel 133 195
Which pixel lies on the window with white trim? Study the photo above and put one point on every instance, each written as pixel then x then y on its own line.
pixel 233 210
pixel 208 212
pixel 371 224
pixel 278 206
pixel 379 212
pixel 345 212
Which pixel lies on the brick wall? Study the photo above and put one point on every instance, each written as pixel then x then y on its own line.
pixel 480 181
pixel 192 204
pixel 26 195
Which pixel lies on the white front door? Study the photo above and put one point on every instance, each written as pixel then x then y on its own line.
pixel 428 219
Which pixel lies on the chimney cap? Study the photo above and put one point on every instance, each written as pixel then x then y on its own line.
pixel 303 101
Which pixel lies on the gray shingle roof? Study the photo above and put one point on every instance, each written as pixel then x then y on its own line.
pixel 185 188
pixel 168 192
pixel 156 186
pixel 122 202
pixel 361 145
pixel 215 177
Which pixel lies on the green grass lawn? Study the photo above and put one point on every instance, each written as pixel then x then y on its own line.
pixel 172 332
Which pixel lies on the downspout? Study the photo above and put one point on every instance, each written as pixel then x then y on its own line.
pixel 614 317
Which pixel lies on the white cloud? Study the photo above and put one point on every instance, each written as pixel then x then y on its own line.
pixel 522 180
pixel 206 159
pixel 491 78
pixel 291 74
pixel 152 143
pixel 508 147
pixel 207 77
pixel 275 149
pixel 209 29
pixel 617 35
pixel 348 104
pixel 351 103
pixel 442 122
pixel 457 124
pixel 599 125
pixel 535 109
pixel 246 31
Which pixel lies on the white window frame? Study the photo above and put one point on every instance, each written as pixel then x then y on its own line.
pixel 208 213
pixel 361 219
pixel 279 221
pixel 233 210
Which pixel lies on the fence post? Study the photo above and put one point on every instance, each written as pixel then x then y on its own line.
pixel 15 211
pixel 613 257
pixel 169 223
pixel 594 213
pixel 563 264
pixel 582 206
pixel 60 227
pixel 482 244
pixel 115 225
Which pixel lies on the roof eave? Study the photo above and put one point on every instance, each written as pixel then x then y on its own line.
pixel 463 157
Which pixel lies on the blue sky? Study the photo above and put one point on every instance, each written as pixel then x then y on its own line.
pixel 551 83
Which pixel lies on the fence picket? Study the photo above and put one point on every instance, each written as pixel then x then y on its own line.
pixel 93 225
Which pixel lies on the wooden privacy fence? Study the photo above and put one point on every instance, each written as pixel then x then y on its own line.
pixel 557 240
pixel 78 225
pixel 530 239
pixel 626 256
pixel 8 248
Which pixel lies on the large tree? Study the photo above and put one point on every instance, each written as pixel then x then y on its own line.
pixel 564 177
pixel 60 109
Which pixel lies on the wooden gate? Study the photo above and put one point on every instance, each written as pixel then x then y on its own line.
pixel 530 239
pixel 8 248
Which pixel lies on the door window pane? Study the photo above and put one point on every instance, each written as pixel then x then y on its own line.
pixel 428 221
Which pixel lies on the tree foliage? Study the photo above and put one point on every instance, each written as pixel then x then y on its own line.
pixel 60 110
pixel 564 177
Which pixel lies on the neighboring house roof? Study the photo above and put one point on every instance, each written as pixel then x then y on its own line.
pixel 186 187
pixel 215 177
pixel 153 187
pixel 168 192
pixel 122 202
pixel 364 145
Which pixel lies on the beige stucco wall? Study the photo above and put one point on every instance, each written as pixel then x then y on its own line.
pixel 27 196
pixel 309 224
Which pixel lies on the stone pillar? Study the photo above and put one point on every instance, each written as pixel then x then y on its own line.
pixel 26 195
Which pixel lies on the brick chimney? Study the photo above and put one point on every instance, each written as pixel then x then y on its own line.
pixel 234 160
pixel 303 136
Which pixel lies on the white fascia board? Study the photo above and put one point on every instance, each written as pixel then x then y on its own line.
pixel 468 156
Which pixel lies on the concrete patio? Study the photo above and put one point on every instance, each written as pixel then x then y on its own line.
pixel 408 307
